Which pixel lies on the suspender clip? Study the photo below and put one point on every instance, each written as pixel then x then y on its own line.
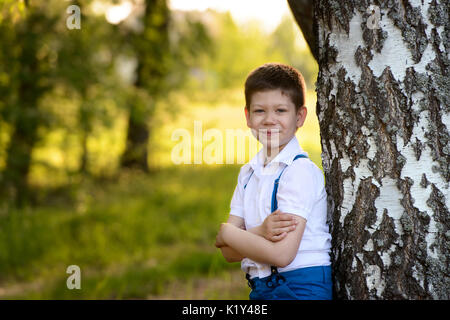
pixel 275 278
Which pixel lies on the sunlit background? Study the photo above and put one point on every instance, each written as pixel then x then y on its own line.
pixel 87 118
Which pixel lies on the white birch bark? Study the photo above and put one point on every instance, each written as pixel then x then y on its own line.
pixel 383 107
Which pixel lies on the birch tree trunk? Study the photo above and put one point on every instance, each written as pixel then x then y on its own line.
pixel 383 94
pixel 151 47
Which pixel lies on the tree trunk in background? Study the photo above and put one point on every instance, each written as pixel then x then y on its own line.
pixel 135 155
pixel 152 48
pixel 25 116
pixel 19 152
pixel 383 107
pixel 303 11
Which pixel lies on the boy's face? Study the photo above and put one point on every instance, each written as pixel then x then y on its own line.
pixel 273 118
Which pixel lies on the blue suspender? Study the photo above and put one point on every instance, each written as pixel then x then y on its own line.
pixel 275 278
pixel 245 186
pixel 275 187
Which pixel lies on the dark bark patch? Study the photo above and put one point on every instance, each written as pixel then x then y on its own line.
pixel 409 20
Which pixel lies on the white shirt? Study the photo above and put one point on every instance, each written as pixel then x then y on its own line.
pixel 301 191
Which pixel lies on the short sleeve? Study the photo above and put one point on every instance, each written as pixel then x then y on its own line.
pixel 299 187
pixel 237 201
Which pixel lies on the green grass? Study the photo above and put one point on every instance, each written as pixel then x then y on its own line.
pixel 130 237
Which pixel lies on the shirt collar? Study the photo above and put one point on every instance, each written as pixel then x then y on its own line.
pixel 286 155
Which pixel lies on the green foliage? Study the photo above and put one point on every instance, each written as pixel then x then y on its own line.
pixel 77 86
pixel 283 42
pixel 190 45
pixel 41 57
pixel 235 51
pixel 130 238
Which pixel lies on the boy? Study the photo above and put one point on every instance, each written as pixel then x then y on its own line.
pixel 284 254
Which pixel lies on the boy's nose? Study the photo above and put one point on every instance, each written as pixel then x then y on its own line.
pixel 269 119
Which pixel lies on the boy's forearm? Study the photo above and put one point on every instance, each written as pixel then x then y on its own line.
pixel 231 255
pixel 251 245
pixel 257 230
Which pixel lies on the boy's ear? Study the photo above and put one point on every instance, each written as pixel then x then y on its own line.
pixel 247 116
pixel 301 116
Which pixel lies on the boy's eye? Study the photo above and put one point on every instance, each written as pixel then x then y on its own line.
pixel 258 110
pixel 281 110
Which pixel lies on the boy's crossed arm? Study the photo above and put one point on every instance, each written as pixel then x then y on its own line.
pixel 229 253
pixel 272 242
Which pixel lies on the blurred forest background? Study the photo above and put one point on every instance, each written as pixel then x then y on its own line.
pixel 86 123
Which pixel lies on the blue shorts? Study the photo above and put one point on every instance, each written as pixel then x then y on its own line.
pixel 311 283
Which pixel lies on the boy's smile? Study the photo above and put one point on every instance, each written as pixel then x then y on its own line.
pixel 273 118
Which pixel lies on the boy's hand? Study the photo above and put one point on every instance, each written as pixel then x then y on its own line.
pixel 277 225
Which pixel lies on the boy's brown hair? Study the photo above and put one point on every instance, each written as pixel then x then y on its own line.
pixel 272 76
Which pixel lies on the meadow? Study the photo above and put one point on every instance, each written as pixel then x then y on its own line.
pixel 133 235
